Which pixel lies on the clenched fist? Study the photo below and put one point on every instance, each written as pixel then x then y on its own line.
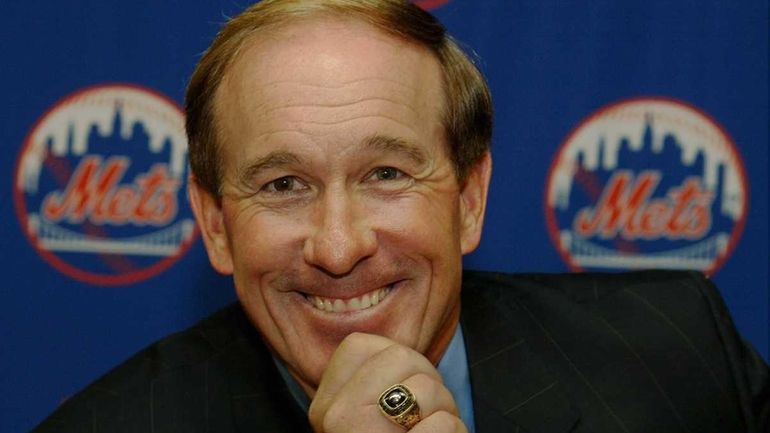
pixel 362 367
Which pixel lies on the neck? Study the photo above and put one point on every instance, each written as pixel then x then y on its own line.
pixel 441 341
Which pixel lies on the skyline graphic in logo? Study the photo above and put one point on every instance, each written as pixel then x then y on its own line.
pixel 647 183
pixel 100 182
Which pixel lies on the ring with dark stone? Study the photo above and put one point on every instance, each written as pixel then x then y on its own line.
pixel 398 404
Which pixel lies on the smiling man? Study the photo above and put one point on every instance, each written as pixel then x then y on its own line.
pixel 339 201
pixel 340 151
pixel 337 207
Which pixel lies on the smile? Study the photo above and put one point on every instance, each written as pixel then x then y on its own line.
pixel 362 302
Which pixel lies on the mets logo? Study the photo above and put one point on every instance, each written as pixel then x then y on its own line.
pixel 647 183
pixel 431 4
pixel 99 185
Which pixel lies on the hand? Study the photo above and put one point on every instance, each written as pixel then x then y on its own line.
pixel 365 365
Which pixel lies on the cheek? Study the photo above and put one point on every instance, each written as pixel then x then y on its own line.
pixel 261 238
pixel 263 246
pixel 425 222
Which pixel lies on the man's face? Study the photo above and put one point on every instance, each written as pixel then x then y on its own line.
pixel 341 211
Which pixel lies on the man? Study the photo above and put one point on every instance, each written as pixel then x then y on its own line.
pixel 340 152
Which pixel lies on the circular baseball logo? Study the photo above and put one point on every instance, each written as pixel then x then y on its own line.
pixel 99 185
pixel 647 183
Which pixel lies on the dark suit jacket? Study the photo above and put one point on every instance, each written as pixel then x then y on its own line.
pixel 648 352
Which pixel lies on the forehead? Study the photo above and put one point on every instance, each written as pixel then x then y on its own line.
pixel 324 71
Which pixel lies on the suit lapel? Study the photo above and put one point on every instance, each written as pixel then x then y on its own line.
pixel 248 392
pixel 512 389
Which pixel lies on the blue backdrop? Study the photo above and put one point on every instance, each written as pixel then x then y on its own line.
pixel 587 95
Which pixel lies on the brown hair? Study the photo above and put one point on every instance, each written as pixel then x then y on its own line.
pixel 468 108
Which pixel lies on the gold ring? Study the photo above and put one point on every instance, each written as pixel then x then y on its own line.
pixel 398 404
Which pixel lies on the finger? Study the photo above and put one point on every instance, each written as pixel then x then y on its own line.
pixel 440 422
pixel 390 366
pixel 351 387
pixel 355 407
pixel 352 352
pixel 342 418
pixel 431 395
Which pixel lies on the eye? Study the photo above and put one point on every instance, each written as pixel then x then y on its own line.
pixel 284 185
pixel 386 173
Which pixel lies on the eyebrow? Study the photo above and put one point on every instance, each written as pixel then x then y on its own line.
pixel 377 143
pixel 385 144
pixel 272 160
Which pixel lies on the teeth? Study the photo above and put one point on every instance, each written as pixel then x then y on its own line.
pixel 362 302
pixel 339 306
pixel 366 301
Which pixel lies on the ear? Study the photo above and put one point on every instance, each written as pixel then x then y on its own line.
pixel 208 214
pixel 473 203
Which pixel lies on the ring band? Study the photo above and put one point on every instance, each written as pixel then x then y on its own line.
pixel 398 404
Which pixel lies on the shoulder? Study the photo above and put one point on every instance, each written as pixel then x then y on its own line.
pixel 597 291
pixel 219 356
pixel 592 286
pixel 660 340
pixel 681 309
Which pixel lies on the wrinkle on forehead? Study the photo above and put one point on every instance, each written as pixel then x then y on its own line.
pixel 332 103
pixel 298 51
pixel 281 98
pixel 305 63
pixel 311 77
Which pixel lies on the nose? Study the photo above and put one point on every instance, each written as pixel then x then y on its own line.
pixel 341 237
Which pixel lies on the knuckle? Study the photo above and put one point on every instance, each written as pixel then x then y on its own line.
pixel 317 414
pixel 354 339
pixel 398 353
pixel 427 384
pixel 334 416
pixel 445 421
pixel 313 415
pixel 430 387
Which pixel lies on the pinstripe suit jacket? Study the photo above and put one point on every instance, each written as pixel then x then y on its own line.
pixel 648 352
